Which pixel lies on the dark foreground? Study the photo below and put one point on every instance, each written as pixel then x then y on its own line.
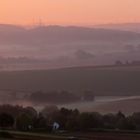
pixel 74 136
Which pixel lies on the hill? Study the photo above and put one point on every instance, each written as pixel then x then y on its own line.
pixel 127 106
pixel 51 35
pixel 102 80
pixel 59 46
pixel 134 27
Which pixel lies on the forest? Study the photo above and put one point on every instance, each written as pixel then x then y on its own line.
pixel 29 119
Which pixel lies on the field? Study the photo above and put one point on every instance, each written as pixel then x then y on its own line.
pixel 102 80
pixel 127 105
pixel 109 80
pixel 76 136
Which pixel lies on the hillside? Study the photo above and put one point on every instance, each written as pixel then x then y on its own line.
pixel 127 106
pixel 47 47
pixel 52 35
pixel 101 80
pixel 134 27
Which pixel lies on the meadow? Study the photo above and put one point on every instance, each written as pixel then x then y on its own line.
pixel 103 81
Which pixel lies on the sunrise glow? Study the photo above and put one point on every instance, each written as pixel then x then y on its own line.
pixel 67 12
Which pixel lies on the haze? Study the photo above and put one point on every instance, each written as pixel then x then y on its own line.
pixel 69 12
pixel 69 66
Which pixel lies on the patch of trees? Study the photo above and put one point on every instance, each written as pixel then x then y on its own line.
pixel 63 97
pixel 28 119
pixel 127 63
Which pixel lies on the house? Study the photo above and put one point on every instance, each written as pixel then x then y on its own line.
pixel 55 126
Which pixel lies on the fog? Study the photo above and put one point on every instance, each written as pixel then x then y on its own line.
pixel 45 47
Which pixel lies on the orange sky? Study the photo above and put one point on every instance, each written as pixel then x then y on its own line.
pixel 69 12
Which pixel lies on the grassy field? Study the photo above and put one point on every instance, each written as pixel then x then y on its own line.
pixel 75 136
pixel 102 80
pixel 127 106
pixel 32 136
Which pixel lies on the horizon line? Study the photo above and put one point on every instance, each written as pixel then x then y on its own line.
pixel 66 25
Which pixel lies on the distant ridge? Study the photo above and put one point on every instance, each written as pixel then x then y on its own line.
pixel 11 28
pixel 63 46
pixel 60 34
pixel 135 27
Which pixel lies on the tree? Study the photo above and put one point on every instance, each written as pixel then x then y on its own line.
pixel 90 120
pixel 6 120
pixel 24 122
pixel 49 110
pixel 109 121
pixel 72 123
pixel 30 111
pixel 120 115
pixel 40 122
pixel 136 120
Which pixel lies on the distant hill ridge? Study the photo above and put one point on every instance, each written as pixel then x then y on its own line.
pixel 12 34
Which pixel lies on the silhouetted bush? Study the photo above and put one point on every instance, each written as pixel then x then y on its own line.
pixel 6 135
pixel 6 120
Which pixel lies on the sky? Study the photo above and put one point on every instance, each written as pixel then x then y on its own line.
pixel 69 12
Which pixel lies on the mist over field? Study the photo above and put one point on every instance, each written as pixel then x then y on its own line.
pixel 102 59
pixel 44 47
pixel 69 70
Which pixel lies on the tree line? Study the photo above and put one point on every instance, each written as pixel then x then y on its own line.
pixel 59 97
pixel 28 119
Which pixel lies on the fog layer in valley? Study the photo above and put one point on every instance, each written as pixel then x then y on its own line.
pixel 44 47
pixel 48 47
